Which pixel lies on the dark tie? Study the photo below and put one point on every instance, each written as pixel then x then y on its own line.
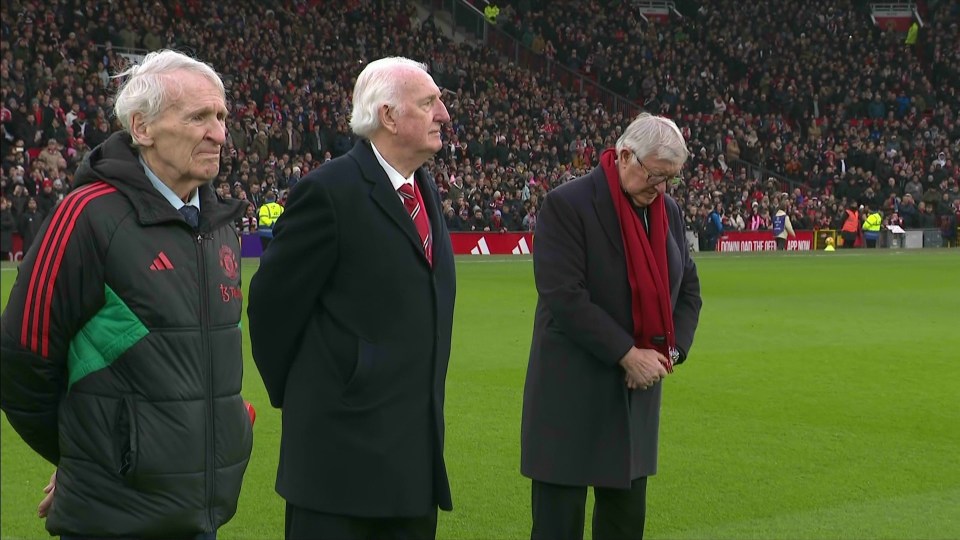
pixel 411 202
pixel 191 214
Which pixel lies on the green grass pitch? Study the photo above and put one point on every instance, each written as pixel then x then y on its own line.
pixel 821 400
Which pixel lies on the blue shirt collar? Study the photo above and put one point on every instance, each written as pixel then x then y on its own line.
pixel 167 192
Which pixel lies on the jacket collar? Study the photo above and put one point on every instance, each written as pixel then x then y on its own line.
pixel 117 163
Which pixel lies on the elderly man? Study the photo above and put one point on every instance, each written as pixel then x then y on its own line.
pixel 121 358
pixel 619 301
pixel 362 265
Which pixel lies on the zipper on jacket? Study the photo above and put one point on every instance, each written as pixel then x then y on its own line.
pixel 208 374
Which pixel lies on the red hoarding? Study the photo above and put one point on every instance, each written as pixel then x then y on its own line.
pixel 491 243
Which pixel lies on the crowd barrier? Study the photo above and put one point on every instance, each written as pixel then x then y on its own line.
pixel 511 243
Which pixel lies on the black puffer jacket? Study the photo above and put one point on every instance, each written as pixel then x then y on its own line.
pixel 121 359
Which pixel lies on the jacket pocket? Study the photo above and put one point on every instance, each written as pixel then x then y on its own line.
pixel 365 360
pixel 126 440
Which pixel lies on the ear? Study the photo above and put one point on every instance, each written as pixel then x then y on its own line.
pixel 140 131
pixel 388 118
pixel 624 155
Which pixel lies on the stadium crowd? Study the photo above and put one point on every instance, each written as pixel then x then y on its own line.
pixel 838 111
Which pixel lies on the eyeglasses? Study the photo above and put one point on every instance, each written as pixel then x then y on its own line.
pixel 656 179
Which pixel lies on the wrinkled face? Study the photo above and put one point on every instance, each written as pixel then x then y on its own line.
pixel 421 114
pixel 182 145
pixel 644 180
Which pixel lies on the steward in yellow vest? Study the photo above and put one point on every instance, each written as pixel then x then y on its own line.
pixel 268 215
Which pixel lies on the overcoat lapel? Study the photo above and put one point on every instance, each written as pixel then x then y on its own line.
pixel 382 192
pixel 606 213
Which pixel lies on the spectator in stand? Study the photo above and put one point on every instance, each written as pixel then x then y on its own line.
pixel 454 222
pixel 19 199
pixel 52 158
pixel 735 220
pixel 755 219
pixel 495 222
pixel 29 222
pixel 932 195
pixel 46 199
pixel 893 219
pixel 946 203
pixel 478 222
pixel 530 220
pixel 909 213
pixel 926 217
pixel 948 227
pixel 247 225
pixel 255 195
pixel 8 225
pixel 913 188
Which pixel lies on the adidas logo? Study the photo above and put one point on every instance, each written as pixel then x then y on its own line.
pixel 522 247
pixel 482 248
pixel 161 262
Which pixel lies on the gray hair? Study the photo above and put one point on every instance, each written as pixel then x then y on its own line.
pixel 655 136
pixel 378 85
pixel 147 88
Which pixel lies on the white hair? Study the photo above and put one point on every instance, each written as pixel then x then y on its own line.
pixel 378 85
pixel 656 136
pixel 148 87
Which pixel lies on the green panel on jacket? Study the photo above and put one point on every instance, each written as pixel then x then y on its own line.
pixel 110 333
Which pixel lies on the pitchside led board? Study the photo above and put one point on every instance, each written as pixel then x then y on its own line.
pixel 491 243
pixel 513 243
pixel 747 241
pixel 464 243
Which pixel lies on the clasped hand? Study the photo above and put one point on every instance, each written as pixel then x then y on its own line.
pixel 644 367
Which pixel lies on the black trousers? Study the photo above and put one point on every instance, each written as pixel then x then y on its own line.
pixel 849 238
pixel 558 511
pixel 304 524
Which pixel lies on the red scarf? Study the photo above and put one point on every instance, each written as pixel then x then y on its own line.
pixel 646 264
